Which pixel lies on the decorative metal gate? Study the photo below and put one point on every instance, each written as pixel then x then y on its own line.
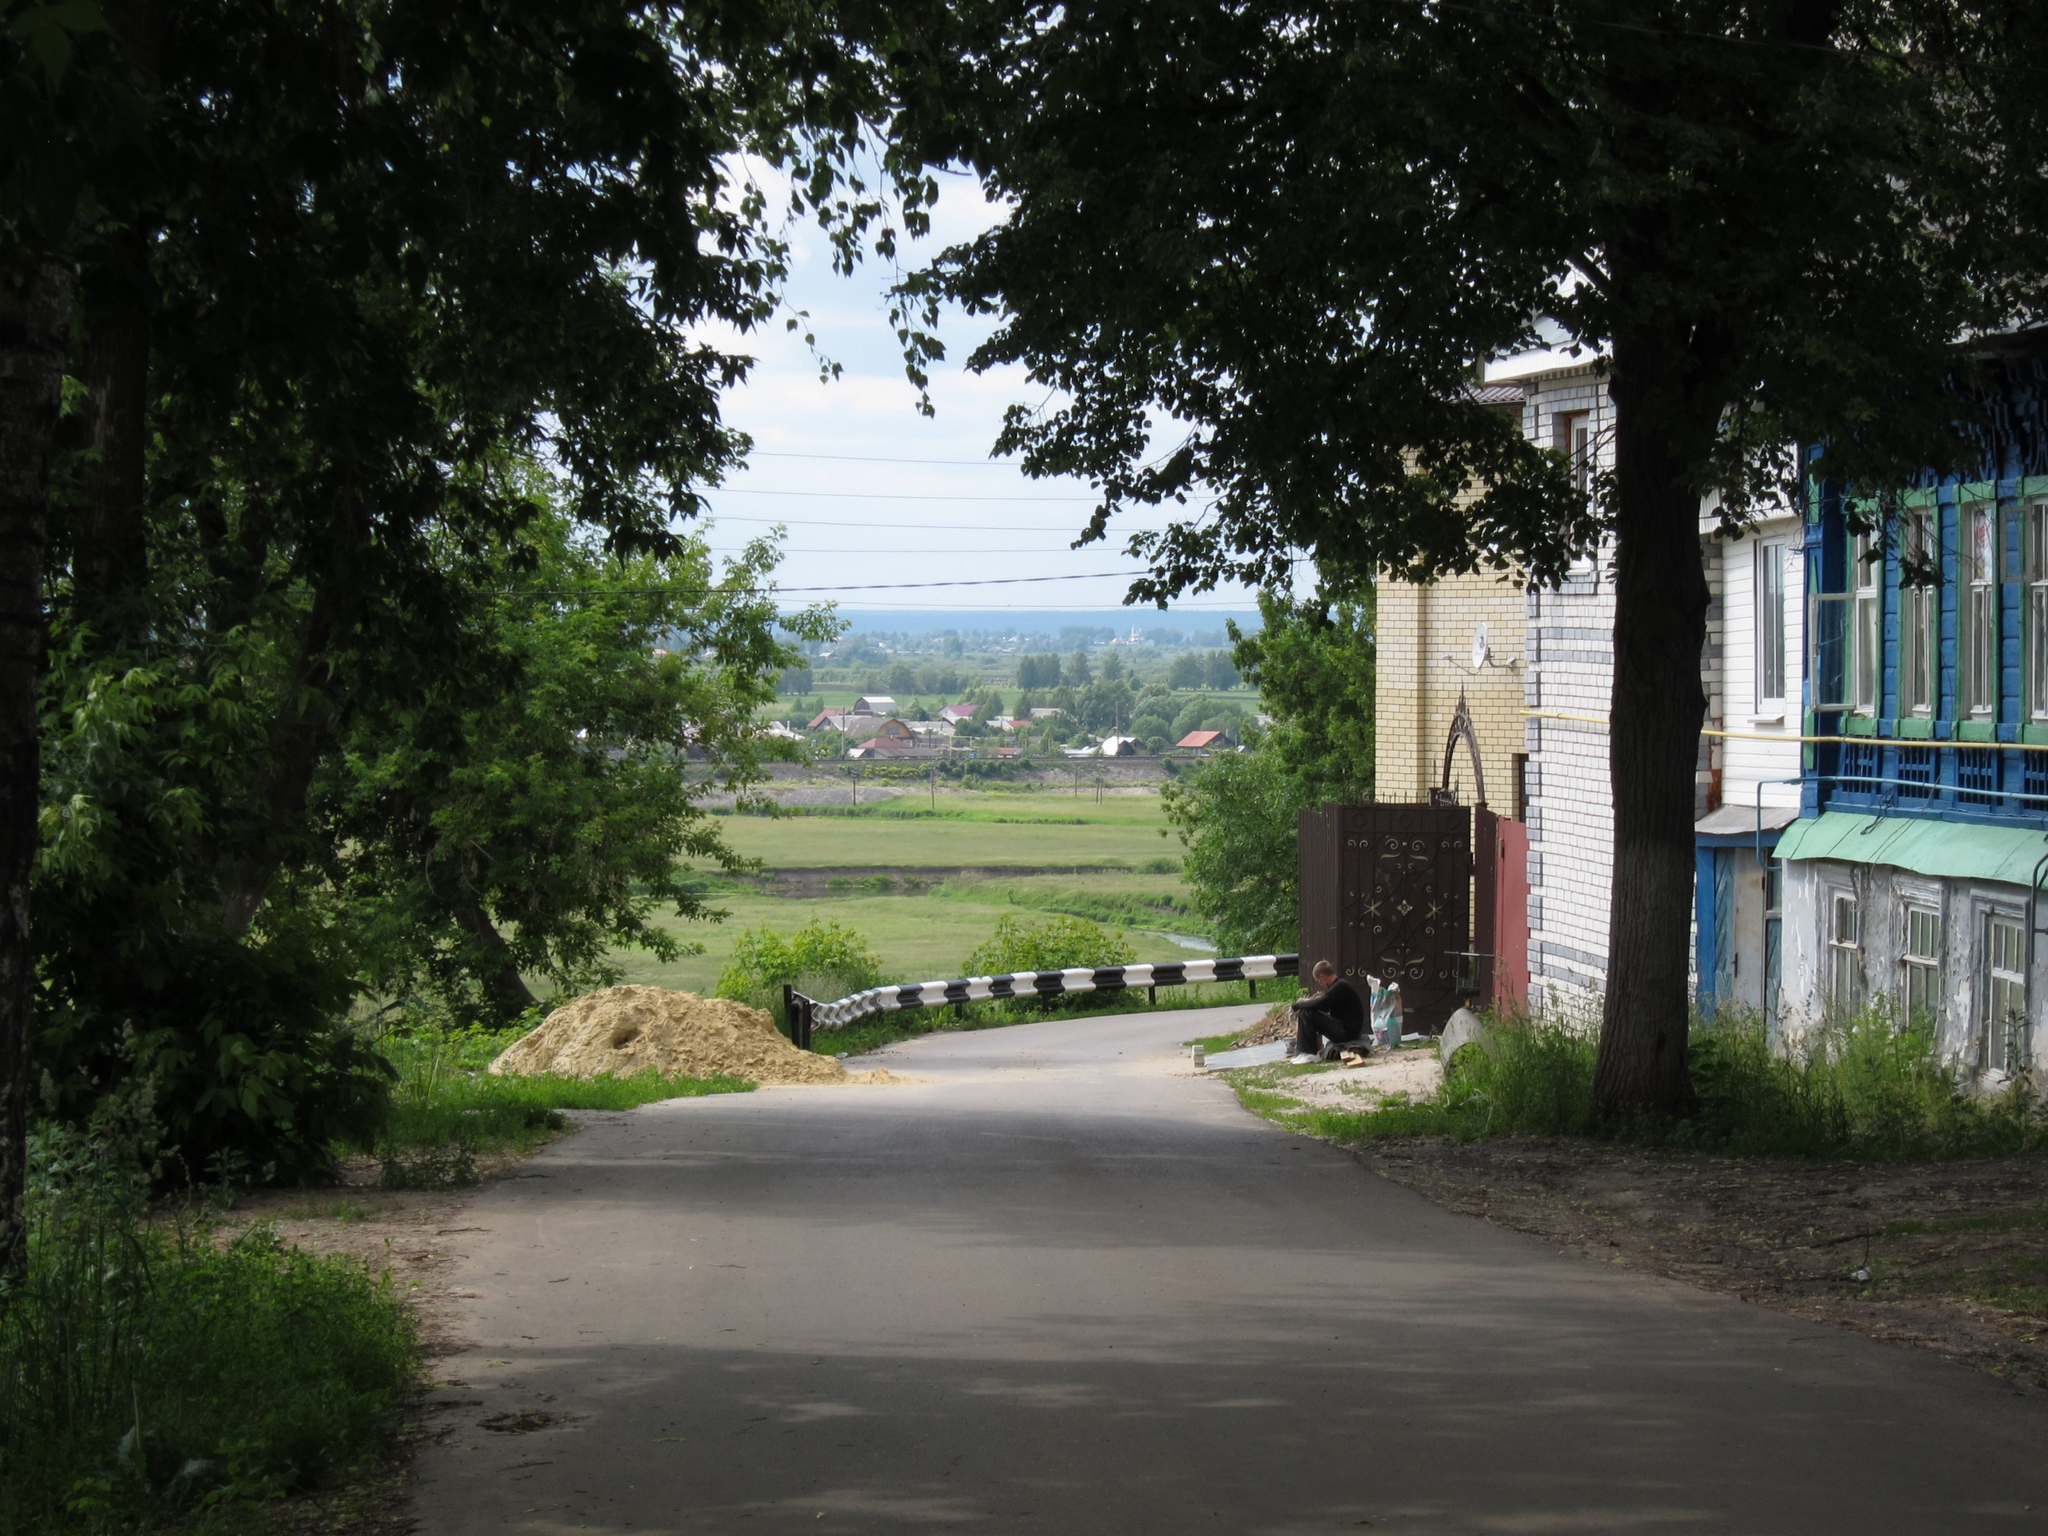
pixel 1386 891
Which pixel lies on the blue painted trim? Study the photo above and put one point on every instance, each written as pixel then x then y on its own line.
pixel 1708 946
pixel 1736 839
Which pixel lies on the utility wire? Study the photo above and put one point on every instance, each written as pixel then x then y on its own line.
pixel 868 458
pixel 740 490
pixel 800 522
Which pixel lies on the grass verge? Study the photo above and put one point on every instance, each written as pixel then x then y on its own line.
pixel 1862 1088
pixel 154 1377
pixel 448 1110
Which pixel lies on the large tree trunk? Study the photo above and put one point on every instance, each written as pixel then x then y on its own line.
pixel 34 328
pixel 110 563
pixel 1660 622
pixel 503 985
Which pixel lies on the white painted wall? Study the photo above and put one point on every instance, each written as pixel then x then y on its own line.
pixel 1759 749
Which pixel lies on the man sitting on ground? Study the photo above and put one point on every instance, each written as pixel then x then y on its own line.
pixel 1335 1014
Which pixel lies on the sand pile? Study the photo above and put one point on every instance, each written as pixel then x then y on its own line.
pixel 622 1031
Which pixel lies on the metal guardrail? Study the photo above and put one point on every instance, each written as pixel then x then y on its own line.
pixel 806 1015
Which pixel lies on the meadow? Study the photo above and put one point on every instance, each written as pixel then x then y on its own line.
pixel 1038 826
pixel 921 936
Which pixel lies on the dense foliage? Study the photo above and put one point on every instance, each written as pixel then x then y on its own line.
pixel 343 693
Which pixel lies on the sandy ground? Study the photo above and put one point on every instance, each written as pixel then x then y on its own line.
pixel 1413 1072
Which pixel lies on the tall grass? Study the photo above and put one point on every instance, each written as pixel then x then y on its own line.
pixel 447 1109
pixel 1859 1088
pixel 150 1374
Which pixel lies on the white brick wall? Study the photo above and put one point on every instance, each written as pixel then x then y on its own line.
pixel 1570 645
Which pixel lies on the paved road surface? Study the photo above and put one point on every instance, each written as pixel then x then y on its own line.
pixel 1062 1285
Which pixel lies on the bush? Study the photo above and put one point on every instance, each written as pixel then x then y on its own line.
pixel 1054 944
pixel 239 1052
pixel 764 961
pixel 1861 1088
pixel 149 1371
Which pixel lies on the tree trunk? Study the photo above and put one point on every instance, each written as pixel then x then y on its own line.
pixel 1660 623
pixel 110 564
pixel 503 984
pixel 34 329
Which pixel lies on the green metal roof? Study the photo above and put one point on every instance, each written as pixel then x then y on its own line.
pixel 1946 849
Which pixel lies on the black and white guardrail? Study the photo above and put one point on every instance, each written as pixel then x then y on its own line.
pixel 810 1014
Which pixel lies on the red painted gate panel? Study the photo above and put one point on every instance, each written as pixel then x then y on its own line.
pixel 1503 901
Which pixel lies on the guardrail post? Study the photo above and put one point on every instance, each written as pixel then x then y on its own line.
pixel 1251 984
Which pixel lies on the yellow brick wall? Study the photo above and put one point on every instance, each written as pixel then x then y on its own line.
pixel 1424 659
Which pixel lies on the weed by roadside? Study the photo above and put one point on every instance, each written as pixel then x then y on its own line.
pixel 153 1375
pixel 447 1110
pixel 1862 1088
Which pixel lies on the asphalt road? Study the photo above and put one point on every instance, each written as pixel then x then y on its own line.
pixel 1064 1285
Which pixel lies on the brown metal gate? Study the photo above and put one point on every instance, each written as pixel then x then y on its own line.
pixel 1386 891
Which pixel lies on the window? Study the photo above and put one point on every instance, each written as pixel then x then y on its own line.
pixel 2037 610
pixel 1920 956
pixel 1845 953
pixel 1574 430
pixel 1520 762
pixel 1919 615
pixel 2005 992
pixel 1770 627
pixel 1866 662
pixel 1978 685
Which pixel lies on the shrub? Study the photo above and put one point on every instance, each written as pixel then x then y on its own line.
pixel 1053 944
pixel 763 961
pixel 1861 1088
pixel 148 1370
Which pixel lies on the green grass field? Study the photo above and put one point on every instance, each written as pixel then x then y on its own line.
pixel 971 827
pixel 921 937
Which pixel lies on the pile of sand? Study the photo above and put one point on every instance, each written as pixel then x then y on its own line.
pixel 623 1031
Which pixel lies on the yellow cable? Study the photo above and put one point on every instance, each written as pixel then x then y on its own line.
pixel 1875 741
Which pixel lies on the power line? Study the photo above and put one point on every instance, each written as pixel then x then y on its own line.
pixel 985 581
pixel 867 458
pixel 813 522
pixel 739 490
pixel 809 549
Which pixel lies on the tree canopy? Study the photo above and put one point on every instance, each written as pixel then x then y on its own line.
pixel 295 302
pixel 1256 254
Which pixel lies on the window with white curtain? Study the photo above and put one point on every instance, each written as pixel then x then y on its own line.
pixel 1920 958
pixel 2005 991
pixel 1977 526
pixel 1770 628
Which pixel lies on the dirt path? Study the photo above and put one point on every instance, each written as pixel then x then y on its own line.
pixel 1951 1257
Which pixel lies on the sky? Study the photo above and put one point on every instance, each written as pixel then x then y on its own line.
pixel 876 496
